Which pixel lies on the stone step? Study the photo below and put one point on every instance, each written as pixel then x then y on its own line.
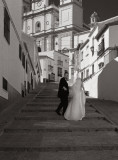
pixel 61 155
pixel 50 104
pixel 29 130
pixel 44 109
pixel 59 126
pixel 54 114
pixel 42 104
pixel 46 101
pixel 43 97
pixel 59 141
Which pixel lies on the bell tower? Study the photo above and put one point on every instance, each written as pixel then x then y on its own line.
pixel 94 19
pixel 71 13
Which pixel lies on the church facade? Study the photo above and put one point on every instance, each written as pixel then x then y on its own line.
pixel 55 28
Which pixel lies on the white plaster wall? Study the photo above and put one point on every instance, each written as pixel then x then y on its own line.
pixel 83 37
pixel 91 85
pixel 93 42
pixel 10 64
pixel 28 28
pixel 106 38
pixel 77 15
pixel 65 42
pixel 65 15
pixel 108 82
pixel 49 21
pixel 43 66
pixel 86 57
pixel 113 36
pixel 15 8
pixel 65 66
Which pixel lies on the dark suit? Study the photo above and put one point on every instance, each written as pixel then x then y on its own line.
pixel 63 95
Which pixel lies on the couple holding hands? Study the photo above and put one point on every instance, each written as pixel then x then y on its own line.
pixel 75 109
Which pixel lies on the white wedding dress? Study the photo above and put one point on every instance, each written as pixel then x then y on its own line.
pixel 76 107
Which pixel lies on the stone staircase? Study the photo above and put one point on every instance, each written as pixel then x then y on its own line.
pixel 38 133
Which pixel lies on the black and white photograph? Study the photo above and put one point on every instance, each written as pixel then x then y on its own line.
pixel 58 80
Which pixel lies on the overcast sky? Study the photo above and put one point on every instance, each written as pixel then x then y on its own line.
pixel 105 8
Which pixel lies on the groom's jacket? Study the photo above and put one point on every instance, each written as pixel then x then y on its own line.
pixel 61 92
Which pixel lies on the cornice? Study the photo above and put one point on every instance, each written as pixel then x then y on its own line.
pixel 53 32
pixel 33 14
pixel 63 5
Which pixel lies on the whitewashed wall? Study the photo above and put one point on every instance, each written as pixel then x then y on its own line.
pixel 10 65
pixel 108 82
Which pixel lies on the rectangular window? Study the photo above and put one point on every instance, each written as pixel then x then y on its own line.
pixel 6 26
pixel 5 84
pixel 39 49
pixel 23 60
pixel 59 62
pixel 26 66
pixel 87 73
pixel 93 69
pixel 20 52
pixel 82 75
pixel 59 71
pixel 101 48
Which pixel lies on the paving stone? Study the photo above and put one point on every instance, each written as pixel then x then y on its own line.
pixel 67 155
pixel 54 114
pixel 59 126
pixel 62 141
pixel 45 109
pixel 42 104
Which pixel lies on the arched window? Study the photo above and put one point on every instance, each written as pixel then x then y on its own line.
pixel 38 26
pixel 39 49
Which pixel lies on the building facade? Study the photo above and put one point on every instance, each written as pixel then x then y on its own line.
pixel 55 28
pixel 97 53
pixel 32 62
pixel 54 65
pixel 14 59
pixel 10 37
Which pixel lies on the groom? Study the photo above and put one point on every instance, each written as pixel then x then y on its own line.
pixel 63 93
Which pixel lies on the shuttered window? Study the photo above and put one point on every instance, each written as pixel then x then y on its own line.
pixel 6 26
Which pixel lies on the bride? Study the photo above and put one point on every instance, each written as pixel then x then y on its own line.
pixel 76 108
